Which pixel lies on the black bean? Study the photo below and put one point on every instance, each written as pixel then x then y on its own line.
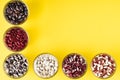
pixel 16 12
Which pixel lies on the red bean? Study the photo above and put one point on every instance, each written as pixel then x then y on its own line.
pixel 16 39
pixel 74 65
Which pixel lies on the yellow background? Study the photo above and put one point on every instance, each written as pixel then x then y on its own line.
pixel 61 27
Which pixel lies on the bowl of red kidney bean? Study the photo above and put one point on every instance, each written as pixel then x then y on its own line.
pixel 16 39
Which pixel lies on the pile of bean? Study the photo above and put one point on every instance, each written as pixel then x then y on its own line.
pixel 16 39
pixel 16 12
pixel 103 65
pixel 74 65
pixel 45 65
pixel 16 65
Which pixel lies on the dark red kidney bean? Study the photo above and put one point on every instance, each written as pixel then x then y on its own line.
pixel 16 39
